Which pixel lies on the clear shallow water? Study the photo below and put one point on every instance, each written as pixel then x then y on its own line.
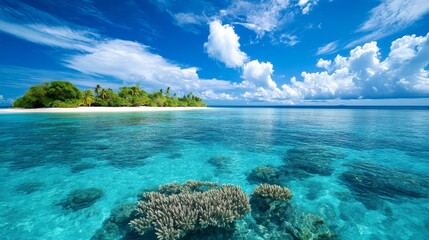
pixel 365 171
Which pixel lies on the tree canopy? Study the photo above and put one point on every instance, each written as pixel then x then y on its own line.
pixel 65 94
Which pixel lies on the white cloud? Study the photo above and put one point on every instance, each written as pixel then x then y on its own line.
pixel 328 48
pixel 188 18
pixel 258 74
pixel 267 16
pixel 362 74
pixel 56 36
pixel 19 21
pixel 288 39
pixel 190 22
pixel 306 5
pixel 223 45
pixel 134 63
pixel 324 63
pixel 211 95
pixel 98 56
pixel 302 3
pixel 6 100
pixel 262 17
pixel 389 17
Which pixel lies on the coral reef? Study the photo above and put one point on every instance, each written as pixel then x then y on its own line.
pixel 369 181
pixel 273 192
pixel 82 198
pixel 116 226
pixel 174 215
pixel 121 161
pixel 264 174
pixel 279 219
pixel 311 160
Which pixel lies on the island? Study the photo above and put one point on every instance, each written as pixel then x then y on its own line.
pixel 63 94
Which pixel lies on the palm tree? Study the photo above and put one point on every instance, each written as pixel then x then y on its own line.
pixel 167 92
pixel 135 90
pixel 103 94
pixel 97 90
pixel 88 98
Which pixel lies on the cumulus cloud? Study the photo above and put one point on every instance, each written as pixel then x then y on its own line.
pixel 363 74
pixel 359 75
pixel 223 45
pixel 389 17
pixel 258 74
pixel 322 63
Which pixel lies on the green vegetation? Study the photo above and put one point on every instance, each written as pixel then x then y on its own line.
pixel 66 95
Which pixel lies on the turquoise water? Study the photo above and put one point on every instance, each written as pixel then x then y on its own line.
pixel 365 171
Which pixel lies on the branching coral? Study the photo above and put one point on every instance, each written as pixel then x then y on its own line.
pixel 275 192
pixel 173 216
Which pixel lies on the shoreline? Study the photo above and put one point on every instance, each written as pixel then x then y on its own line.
pixel 98 109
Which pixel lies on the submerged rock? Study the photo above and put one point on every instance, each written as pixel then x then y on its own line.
pixel 29 187
pixel 311 159
pixel 370 183
pixel 116 226
pixel 221 163
pixel 82 198
pixel 122 214
pixel 108 231
pixel 264 174
pixel 122 161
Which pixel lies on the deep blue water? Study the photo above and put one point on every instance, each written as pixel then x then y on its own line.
pixel 364 170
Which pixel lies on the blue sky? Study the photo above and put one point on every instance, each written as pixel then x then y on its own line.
pixel 228 52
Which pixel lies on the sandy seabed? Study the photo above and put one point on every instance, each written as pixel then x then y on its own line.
pixel 98 109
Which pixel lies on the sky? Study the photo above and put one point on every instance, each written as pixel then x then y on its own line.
pixel 232 52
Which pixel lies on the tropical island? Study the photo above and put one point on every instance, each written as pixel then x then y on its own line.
pixel 62 94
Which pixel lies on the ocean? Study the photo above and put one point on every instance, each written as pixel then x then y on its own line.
pixel 363 170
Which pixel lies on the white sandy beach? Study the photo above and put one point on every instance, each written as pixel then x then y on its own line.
pixel 99 109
